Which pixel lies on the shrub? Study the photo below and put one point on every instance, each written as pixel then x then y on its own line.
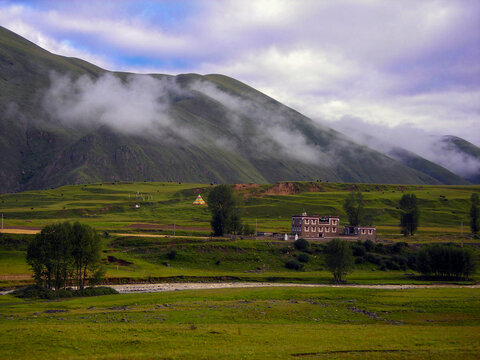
pixel 392 265
pixel 304 258
pixel 373 259
pixel 398 247
pixel 172 254
pixel 369 245
pixel 294 265
pixel 301 244
pixel 359 250
pixel 360 260
pixel 39 292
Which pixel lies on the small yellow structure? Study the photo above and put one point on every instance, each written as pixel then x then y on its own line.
pixel 199 201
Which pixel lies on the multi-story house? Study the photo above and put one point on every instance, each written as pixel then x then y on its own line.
pixel 315 226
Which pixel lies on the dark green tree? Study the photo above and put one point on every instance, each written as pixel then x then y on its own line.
pixel 446 261
pixel 86 246
pixel 224 206
pixel 339 258
pixel 474 216
pixel 62 254
pixel 409 215
pixel 354 206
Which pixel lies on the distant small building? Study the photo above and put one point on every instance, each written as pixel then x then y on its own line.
pixel 315 226
pixel 361 232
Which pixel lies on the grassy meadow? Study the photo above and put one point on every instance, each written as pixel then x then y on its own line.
pixel 261 323
pixel 112 208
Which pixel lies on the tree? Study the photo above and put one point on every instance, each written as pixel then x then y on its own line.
pixel 409 215
pixel 339 258
pixel 86 246
pixel 224 206
pixel 446 261
pixel 474 216
pixel 63 253
pixel 354 207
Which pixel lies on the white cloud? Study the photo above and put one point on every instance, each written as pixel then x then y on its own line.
pixel 387 62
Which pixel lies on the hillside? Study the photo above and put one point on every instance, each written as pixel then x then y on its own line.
pixel 468 153
pixel 65 121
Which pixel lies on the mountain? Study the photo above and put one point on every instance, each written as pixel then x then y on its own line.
pixel 432 169
pixel 462 152
pixel 64 120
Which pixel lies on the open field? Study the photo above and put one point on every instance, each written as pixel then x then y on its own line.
pixel 111 206
pixel 140 239
pixel 259 323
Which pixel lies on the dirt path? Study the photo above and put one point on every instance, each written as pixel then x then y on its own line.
pixel 147 288
pixel 19 231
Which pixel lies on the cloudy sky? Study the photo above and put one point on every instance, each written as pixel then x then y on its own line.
pixel 410 64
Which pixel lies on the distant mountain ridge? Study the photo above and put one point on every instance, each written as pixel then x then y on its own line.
pixel 208 128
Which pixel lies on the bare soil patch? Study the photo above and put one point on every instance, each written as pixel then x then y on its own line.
pixel 165 227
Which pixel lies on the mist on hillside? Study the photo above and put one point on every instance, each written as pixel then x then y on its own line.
pixel 430 146
pixel 142 105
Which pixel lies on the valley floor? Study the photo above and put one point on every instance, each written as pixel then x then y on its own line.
pixel 247 323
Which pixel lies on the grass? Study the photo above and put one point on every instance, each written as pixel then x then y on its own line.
pixel 274 323
pixel 111 207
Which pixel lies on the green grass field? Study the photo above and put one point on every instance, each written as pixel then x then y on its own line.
pixel 275 323
pixel 111 206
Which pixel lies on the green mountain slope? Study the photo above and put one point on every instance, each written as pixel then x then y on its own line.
pixel 211 129
pixel 419 163
pixel 468 151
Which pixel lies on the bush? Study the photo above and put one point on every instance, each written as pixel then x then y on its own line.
pixel 172 254
pixel 301 244
pixel 304 258
pixel 369 245
pixel 360 260
pixel 39 292
pixel 359 250
pixel 392 265
pixel 373 259
pixel 294 265
pixel 398 247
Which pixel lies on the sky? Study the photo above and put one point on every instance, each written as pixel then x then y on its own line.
pixel 410 65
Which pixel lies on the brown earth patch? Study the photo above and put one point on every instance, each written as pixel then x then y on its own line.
pixel 293 188
pixel 16 277
pixel 165 227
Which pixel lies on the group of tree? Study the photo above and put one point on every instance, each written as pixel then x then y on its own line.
pixel 446 261
pixel 354 207
pixel 63 255
pixel 225 208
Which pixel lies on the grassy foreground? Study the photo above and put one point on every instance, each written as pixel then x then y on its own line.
pixel 262 323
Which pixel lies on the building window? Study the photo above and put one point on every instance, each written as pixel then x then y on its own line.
pixel 306 229
pixel 334 230
pixel 370 232
pixel 314 222
pixel 327 229
pixel 306 221
pixel 314 229
pixel 363 231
